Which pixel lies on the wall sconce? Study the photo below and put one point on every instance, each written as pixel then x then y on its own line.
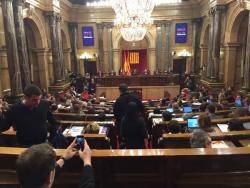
pixel 184 53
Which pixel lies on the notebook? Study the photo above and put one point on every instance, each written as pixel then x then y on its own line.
pixel 223 127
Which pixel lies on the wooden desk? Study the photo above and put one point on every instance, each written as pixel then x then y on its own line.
pixel 139 80
pixel 180 168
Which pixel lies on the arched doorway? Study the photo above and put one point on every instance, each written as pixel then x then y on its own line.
pixel 204 49
pixel 236 50
pixel 33 44
pixel 136 53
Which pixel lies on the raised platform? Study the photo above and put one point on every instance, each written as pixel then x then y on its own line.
pixel 147 92
pixel 138 80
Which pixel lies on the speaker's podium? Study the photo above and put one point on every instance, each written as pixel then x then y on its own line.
pixel 146 86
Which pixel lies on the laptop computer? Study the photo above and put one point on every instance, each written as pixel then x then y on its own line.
pixel 238 103
pixel 192 123
pixel 187 109
pixel 170 110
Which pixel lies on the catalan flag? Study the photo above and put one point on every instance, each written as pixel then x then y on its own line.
pixel 126 65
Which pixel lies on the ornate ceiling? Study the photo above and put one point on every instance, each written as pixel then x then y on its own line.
pixel 82 2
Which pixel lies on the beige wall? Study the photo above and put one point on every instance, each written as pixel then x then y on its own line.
pixel 184 13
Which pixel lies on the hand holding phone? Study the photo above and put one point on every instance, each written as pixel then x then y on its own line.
pixel 80 140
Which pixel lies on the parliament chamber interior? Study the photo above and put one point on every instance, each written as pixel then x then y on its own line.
pixel 125 93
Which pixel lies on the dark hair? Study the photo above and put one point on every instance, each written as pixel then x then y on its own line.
pixel 205 122
pixel 167 116
pixel 235 125
pixel 31 90
pixel 35 164
pixel 174 127
pixel 123 88
pixel 211 108
pixel 157 110
pixel 203 107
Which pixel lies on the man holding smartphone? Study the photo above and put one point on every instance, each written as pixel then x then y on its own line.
pixel 37 166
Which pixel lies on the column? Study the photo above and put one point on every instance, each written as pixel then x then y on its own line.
pixel 66 60
pixel 73 40
pixel 194 65
pixel 230 63
pixel 158 45
pixel 100 27
pixel 21 42
pixel 111 63
pixel 43 66
pixel 210 44
pixel 216 42
pixel 152 60
pixel 116 61
pixel 105 49
pixel 203 61
pixel 247 59
pixel 11 45
pixel 55 47
pixel 168 60
pixel 162 62
pixel 4 74
pixel 60 44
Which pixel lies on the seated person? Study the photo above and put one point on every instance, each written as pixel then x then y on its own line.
pixel 235 125
pixel 200 139
pixel 204 122
pixel 174 127
pixel 157 110
pixel 240 112
pixel 76 108
pixel 167 116
pixel 211 111
pixel 92 128
pixel 37 166
pixel 101 116
pixel 133 128
pixel 176 107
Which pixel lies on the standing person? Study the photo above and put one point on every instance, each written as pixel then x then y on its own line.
pixel 37 166
pixel 29 118
pixel 121 105
pixel 133 129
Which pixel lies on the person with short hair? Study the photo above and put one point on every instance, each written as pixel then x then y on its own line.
pixel 204 122
pixel 167 116
pixel 235 125
pixel 200 139
pixel 174 127
pixel 37 167
pixel 211 111
pixel 120 106
pixel 29 118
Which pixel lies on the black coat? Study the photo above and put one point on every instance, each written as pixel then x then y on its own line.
pixel 121 105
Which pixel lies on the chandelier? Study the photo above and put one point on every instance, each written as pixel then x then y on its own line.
pixel 133 17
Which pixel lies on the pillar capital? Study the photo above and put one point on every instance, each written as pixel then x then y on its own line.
pixel 73 24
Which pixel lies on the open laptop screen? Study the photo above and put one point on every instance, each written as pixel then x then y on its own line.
pixel 238 103
pixel 187 109
pixel 170 110
pixel 192 123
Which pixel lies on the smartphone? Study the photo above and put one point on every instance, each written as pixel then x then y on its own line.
pixel 80 142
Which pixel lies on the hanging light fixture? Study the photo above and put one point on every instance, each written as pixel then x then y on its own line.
pixel 133 17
